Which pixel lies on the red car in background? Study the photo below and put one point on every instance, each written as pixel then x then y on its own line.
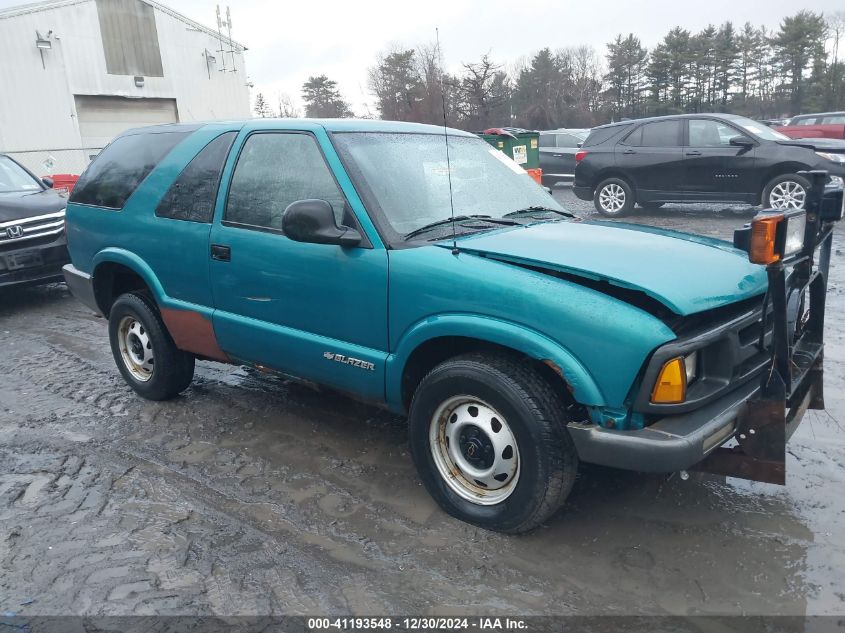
pixel 822 125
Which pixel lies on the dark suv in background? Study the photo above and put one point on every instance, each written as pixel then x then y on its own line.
pixel 33 247
pixel 699 158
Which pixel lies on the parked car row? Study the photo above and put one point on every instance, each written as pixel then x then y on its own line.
pixel 822 125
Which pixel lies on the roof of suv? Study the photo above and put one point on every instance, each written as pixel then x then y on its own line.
pixel 330 125
pixel 697 115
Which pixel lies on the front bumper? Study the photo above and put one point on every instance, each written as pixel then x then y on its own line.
pixel 31 265
pixel 672 443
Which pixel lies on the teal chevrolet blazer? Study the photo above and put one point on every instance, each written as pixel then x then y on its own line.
pixel 518 339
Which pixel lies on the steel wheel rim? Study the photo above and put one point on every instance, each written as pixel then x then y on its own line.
pixel 787 195
pixel 136 348
pixel 476 455
pixel 612 198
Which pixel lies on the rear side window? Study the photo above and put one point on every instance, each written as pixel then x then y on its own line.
pixel 602 134
pixel 191 196
pixel 567 140
pixel 807 121
pixel 547 140
pixel 118 170
pixel 838 119
pixel 657 134
pixel 273 170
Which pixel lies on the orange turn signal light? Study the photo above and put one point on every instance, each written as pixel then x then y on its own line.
pixel 671 384
pixel 763 235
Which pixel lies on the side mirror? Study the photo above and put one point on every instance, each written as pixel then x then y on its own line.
pixel 48 182
pixel 741 141
pixel 313 221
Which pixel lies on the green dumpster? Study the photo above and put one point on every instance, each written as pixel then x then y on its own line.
pixel 523 146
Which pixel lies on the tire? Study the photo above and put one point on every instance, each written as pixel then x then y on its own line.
pixel 540 466
pixel 613 198
pixel 651 205
pixel 548 182
pixel 143 350
pixel 788 191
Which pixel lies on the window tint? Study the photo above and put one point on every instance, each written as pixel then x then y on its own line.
pixel 807 121
pixel 709 133
pixel 661 134
pixel 567 140
pixel 838 119
pixel 191 196
pixel 547 140
pixel 602 134
pixel 274 170
pixel 118 170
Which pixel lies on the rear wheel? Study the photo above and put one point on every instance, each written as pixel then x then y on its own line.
pixel 786 192
pixel 144 352
pixel 488 436
pixel 613 197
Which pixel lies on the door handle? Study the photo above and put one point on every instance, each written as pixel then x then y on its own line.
pixel 221 253
pixel 629 151
pixel 694 152
pixel 558 155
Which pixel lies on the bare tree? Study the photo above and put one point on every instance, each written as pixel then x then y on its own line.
pixel 287 110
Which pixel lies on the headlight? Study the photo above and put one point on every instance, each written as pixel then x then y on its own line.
pixel 836 158
pixel 776 235
pixel 836 182
pixel 671 384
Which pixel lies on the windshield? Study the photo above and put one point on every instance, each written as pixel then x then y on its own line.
pixel 13 178
pixel 761 130
pixel 407 176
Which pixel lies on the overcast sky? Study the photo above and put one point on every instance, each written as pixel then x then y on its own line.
pixel 288 41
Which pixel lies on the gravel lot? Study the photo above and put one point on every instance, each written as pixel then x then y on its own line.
pixel 254 495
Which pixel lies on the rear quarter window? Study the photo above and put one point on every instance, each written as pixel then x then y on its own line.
pixel 122 166
pixel 192 195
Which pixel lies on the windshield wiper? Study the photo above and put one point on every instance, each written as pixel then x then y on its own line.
pixel 535 208
pixel 458 218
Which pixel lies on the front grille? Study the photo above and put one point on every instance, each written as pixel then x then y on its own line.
pixel 34 231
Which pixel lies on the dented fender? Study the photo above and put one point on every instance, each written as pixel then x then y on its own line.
pixel 584 388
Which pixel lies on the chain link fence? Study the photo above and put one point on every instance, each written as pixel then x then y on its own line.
pixel 47 162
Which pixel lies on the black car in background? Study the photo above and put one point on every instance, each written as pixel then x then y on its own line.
pixel 557 154
pixel 699 158
pixel 33 247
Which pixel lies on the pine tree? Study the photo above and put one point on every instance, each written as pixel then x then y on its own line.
pixel 262 108
pixel 323 99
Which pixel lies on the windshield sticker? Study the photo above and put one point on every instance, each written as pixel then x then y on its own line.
pixel 507 161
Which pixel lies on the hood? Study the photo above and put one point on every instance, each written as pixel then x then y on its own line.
pixel 28 204
pixel 686 273
pixel 823 144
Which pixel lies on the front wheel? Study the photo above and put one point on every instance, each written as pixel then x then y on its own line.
pixel 786 192
pixel 144 352
pixel 613 198
pixel 488 436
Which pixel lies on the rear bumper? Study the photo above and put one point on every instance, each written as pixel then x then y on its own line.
pixel 33 265
pixel 673 443
pixel 584 193
pixel 81 286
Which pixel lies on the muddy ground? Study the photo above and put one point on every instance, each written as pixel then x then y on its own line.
pixel 254 495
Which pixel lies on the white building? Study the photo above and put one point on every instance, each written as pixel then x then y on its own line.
pixel 75 73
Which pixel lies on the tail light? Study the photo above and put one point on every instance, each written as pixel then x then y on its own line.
pixel 579 155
